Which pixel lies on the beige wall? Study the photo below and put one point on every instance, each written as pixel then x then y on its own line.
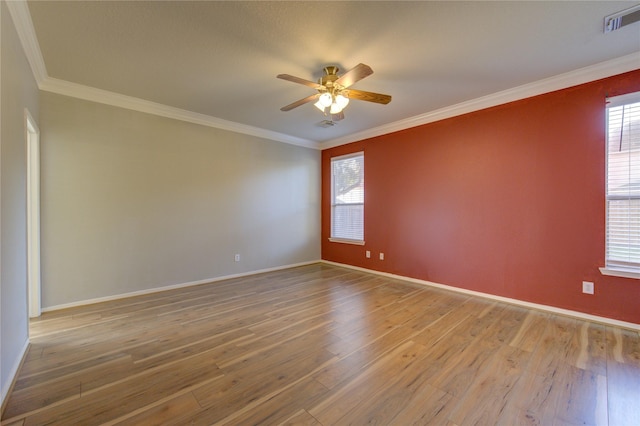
pixel 132 201
pixel 18 91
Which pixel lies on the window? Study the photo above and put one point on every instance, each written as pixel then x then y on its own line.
pixel 347 198
pixel 623 186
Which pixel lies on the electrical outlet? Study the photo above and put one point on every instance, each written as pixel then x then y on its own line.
pixel 381 256
pixel 587 287
pixel 237 258
pixel 367 254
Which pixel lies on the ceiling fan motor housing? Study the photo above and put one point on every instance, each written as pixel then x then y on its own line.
pixel 331 75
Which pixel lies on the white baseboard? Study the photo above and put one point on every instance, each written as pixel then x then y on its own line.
pixel 174 286
pixel 8 384
pixel 547 308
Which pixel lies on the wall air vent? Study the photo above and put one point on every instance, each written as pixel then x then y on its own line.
pixel 622 19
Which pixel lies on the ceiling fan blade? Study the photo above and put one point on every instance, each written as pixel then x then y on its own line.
pixel 300 81
pixel 354 75
pixel 361 95
pixel 337 117
pixel 303 101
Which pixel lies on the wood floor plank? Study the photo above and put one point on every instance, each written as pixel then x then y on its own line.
pixel 470 349
pixel 426 406
pixel 70 386
pixel 125 396
pixel 489 392
pixel 322 345
pixel 623 370
pixel 583 398
pixel 530 331
pixel 30 400
pixel 554 349
pixel 262 375
pixel 455 376
pixel 392 401
pixel 533 401
pixel 337 408
pixel 283 406
pixel 161 412
pixel 590 351
pixel 300 418
pixel 237 394
pixel 355 356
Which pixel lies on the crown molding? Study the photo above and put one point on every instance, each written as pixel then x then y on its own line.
pixel 21 17
pixel 562 81
pixel 19 12
pixel 88 93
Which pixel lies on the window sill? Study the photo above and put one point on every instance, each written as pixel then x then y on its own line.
pixel 621 272
pixel 348 241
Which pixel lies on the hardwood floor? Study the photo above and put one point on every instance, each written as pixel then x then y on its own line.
pixel 322 345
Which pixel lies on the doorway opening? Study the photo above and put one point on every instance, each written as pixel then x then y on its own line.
pixel 33 215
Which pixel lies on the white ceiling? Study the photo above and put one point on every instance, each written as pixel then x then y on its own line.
pixel 220 59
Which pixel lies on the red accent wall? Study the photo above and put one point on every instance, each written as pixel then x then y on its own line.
pixel 509 201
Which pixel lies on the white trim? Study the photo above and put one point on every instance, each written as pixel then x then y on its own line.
pixel 32 140
pixel 627 98
pixel 572 78
pixel 617 268
pixel 13 373
pixel 547 308
pixel 347 241
pixel 19 12
pixel 620 272
pixel 87 93
pixel 173 287
pixel 335 205
pixel 346 156
pixel 21 17
pixel 22 20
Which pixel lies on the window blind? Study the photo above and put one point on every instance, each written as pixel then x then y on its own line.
pixel 347 197
pixel 623 182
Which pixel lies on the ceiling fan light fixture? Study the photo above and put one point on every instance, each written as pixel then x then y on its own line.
pixel 326 99
pixel 335 108
pixel 333 93
pixel 342 101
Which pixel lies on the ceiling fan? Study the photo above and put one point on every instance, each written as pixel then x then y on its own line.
pixel 333 90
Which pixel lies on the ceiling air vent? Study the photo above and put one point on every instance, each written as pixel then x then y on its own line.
pixel 326 123
pixel 622 19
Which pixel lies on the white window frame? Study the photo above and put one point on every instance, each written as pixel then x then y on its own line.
pixel 338 239
pixel 616 267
